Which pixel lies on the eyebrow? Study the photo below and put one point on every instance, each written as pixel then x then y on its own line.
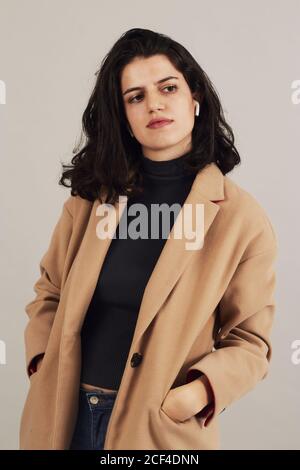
pixel 141 88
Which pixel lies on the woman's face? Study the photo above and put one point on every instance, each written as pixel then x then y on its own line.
pixel 170 99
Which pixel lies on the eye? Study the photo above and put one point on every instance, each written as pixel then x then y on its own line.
pixel 170 86
pixel 132 100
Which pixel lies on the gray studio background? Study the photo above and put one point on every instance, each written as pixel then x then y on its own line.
pixel 49 52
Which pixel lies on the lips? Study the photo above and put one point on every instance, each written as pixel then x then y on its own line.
pixel 159 123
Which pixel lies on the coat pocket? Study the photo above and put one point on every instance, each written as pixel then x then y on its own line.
pixel 33 376
pixel 173 420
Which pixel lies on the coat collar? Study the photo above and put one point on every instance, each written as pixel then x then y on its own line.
pixel 207 188
pixel 209 182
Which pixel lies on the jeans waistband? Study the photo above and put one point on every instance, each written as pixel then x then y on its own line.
pixel 99 393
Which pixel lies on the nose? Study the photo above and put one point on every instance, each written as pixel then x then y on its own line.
pixel 154 102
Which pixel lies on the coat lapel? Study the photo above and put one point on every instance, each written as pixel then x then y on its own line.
pixel 207 187
pixel 174 258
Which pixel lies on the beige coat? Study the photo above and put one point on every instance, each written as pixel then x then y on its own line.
pixel 208 310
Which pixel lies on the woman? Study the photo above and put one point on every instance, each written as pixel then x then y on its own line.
pixel 138 341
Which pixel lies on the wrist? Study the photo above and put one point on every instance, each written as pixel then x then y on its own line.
pixel 39 362
pixel 35 363
pixel 201 392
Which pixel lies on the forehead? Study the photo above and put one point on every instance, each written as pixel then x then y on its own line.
pixel 143 71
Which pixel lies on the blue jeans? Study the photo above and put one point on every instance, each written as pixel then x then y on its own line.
pixel 94 411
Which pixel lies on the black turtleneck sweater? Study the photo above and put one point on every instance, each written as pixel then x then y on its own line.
pixel 110 321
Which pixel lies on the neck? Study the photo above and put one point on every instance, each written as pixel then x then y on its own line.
pixel 166 168
pixel 168 153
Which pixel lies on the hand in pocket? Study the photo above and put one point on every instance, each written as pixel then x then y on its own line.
pixel 179 403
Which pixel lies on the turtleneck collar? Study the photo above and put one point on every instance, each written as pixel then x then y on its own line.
pixel 173 167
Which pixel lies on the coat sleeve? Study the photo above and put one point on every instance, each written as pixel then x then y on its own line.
pixel 41 310
pixel 242 349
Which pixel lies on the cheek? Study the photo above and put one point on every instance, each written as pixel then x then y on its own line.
pixel 182 106
pixel 185 114
pixel 134 115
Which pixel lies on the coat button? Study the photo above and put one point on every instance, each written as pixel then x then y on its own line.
pixel 94 400
pixel 136 359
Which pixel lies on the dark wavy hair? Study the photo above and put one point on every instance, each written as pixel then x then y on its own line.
pixel 109 161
